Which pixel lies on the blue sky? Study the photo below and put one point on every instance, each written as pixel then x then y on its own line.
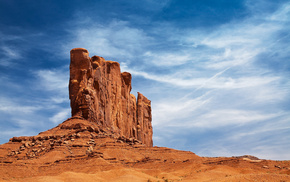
pixel 217 71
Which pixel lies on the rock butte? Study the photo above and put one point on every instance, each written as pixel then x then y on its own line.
pixel 109 138
pixel 100 93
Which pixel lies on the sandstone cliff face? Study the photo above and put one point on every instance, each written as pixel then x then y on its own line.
pixel 100 93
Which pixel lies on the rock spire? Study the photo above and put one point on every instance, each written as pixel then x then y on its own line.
pixel 100 93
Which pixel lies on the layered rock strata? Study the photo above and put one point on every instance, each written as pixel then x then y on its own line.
pixel 100 93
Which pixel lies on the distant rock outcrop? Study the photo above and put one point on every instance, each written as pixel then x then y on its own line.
pixel 100 93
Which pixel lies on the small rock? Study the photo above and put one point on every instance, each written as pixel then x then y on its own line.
pixel 90 129
pixel 40 138
pixel 89 150
pixel 27 145
pixel 12 153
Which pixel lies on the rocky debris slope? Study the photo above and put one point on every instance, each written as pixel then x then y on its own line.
pixel 100 93
pixel 76 151
pixel 73 133
pixel 78 145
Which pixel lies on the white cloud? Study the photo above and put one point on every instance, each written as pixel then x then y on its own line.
pixel 280 124
pixel 12 47
pixel 170 111
pixel 245 99
pixel 21 115
pixel 117 39
pixel 214 82
pixel 11 106
pixel 29 112
pixel 60 116
pixel 11 53
pixel 224 117
pixel 53 82
pixel 167 59
pixel 282 14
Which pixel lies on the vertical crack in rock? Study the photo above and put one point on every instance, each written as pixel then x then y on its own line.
pixel 100 93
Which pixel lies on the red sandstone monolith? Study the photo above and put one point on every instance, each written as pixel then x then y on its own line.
pixel 100 93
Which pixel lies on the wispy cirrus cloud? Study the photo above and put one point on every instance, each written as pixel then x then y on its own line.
pixel 243 92
pixel 61 116
pixel 116 39
pixel 43 103
pixel 214 82
pixel 8 52
pixel 54 79
pixel 19 116
pixel 11 106
pixel 14 44
pixel 54 82
pixel 223 117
